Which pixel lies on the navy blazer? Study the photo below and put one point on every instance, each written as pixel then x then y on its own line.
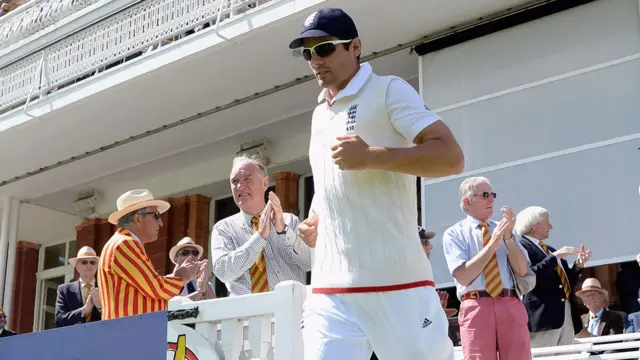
pixel 544 303
pixel 69 306
pixel 6 333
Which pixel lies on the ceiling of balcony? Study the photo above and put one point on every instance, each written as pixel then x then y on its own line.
pixel 165 86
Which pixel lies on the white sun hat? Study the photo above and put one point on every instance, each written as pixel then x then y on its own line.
pixel 86 252
pixel 185 242
pixel 135 200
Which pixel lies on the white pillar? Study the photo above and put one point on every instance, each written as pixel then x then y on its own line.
pixel 4 243
pixel 11 256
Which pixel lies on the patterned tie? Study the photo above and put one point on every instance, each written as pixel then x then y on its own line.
pixel 258 271
pixel 87 316
pixel 492 280
pixel 563 279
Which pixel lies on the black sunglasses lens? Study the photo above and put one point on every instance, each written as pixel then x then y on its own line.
pixel 486 195
pixel 322 50
pixel 190 252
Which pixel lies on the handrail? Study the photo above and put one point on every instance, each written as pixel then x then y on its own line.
pixel 35 16
pixel 109 41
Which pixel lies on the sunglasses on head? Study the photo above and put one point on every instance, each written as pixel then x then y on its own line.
pixel 85 262
pixel 187 252
pixel 485 195
pixel 323 49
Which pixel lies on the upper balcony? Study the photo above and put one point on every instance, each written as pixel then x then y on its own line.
pixel 90 88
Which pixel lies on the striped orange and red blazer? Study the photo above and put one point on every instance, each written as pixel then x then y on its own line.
pixel 129 285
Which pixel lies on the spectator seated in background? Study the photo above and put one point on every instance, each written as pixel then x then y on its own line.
pixel 3 325
pixel 633 321
pixel 199 288
pixel 600 321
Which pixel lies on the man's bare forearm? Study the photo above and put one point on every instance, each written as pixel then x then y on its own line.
pixel 517 259
pixel 433 158
pixel 469 271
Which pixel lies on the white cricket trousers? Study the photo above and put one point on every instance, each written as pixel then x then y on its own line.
pixel 398 325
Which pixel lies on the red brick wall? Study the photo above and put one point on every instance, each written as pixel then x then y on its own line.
pixel 24 287
pixel 188 216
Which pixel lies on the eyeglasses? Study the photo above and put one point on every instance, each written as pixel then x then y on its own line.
pixel 485 195
pixel 85 262
pixel 322 49
pixel 156 214
pixel 187 252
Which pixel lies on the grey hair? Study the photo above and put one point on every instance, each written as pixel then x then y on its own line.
pixel 243 159
pixel 127 219
pixel 468 189
pixel 528 218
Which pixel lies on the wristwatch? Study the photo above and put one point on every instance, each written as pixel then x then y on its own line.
pixel 284 231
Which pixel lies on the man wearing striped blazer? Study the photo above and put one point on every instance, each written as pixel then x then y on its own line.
pixel 129 285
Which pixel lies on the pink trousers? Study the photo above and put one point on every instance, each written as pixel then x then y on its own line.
pixel 494 328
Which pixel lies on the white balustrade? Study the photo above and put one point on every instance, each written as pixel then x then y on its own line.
pixel 267 326
pixel 34 16
pixel 261 326
pixel 131 31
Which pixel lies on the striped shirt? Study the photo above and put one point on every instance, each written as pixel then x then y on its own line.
pixel 235 248
pixel 129 285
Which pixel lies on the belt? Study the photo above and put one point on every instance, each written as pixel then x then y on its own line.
pixel 481 294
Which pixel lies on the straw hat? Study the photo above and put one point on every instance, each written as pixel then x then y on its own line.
pixel 85 252
pixel 135 200
pixel 592 284
pixel 185 242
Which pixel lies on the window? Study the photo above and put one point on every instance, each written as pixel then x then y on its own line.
pixel 53 270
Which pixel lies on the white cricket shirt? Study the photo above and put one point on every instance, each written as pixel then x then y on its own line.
pixel 367 232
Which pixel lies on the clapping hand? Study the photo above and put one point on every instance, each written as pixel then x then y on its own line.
pixel 277 217
pixel 188 270
pixel 204 273
pixel 95 297
pixel 264 224
pixel 444 298
pixel 583 257
pixel 509 216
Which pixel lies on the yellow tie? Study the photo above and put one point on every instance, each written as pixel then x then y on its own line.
pixel 87 316
pixel 563 279
pixel 258 271
pixel 492 280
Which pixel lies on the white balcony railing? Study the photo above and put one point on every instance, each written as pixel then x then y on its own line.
pixel 130 32
pixel 267 326
pixel 35 16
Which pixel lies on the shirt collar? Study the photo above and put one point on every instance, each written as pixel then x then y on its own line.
pixel 247 217
pixel 534 240
pixel 598 314
pixel 355 84
pixel 135 237
pixel 473 222
pixel 93 282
